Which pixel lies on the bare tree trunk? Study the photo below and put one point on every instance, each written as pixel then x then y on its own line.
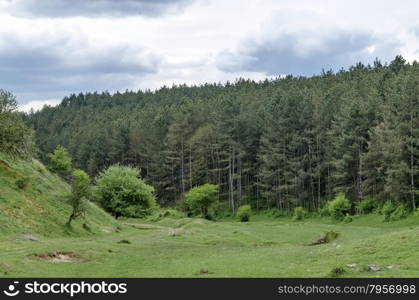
pixel 71 218
pixel 412 180
pixel 329 189
pixel 182 168
pixel 360 173
pixel 257 193
pixel 232 180
pixel 280 201
pixel 218 167
pixel 174 183
pixel 239 180
pixel 313 201
pixel 230 183
pixel 190 167
pixel 318 172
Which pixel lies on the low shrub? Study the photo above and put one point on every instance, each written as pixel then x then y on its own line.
pixel 276 213
pixel 367 206
pixel 339 207
pixel 299 213
pixel 347 219
pixel 222 210
pixel 324 211
pixel 331 236
pixel 337 271
pixel 399 213
pixel 392 212
pixel 244 212
pixel 387 209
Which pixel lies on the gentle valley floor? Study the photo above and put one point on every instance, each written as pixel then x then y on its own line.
pixel 184 247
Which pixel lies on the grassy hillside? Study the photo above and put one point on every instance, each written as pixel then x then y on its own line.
pixel 264 247
pixel 32 201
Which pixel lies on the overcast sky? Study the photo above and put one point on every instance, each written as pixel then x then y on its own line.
pixel 51 48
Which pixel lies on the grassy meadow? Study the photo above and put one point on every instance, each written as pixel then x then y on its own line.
pixel 186 247
pixel 33 213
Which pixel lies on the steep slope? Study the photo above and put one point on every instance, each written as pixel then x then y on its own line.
pixel 32 200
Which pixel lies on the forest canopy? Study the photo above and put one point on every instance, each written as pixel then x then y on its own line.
pixel 285 143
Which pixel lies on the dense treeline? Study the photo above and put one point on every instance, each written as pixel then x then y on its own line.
pixel 288 142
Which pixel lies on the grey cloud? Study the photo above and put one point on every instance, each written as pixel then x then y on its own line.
pixel 306 53
pixel 54 69
pixel 94 8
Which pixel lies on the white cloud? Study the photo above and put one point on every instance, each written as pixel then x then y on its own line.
pixel 206 41
pixel 37 105
pixel 49 59
pixel 102 8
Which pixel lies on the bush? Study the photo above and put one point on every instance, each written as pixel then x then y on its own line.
pixel 60 161
pixel 387 210
pixel 339 207
pixel 122 193
pixel 222 210
pixel 347 219
pixel 337 271
pixel 399 213
pixel 392 212
pixel 275 212
pixel 299 213
pixel 331 236
pixel 244 213
pixel 367 206
pixel 324 211
pixel 202 200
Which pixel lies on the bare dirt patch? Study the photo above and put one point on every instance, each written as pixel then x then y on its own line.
pixel 57 256
pixel 203 272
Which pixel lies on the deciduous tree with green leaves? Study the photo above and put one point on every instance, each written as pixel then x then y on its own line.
pixel 80 192
pixel 201 199
pixel 60 161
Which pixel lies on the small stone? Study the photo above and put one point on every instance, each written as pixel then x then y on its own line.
pixel 31 237
pixel 172 233
pixel 391 267
pixel 351 266
pixel 373 268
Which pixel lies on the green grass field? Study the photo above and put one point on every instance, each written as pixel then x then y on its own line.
pixel 261 248
pixel 184 247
